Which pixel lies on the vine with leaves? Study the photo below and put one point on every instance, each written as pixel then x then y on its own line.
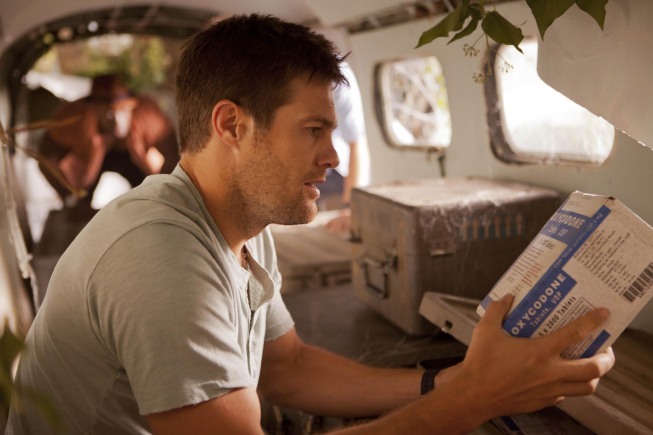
pixel 465 18
pixel 10 344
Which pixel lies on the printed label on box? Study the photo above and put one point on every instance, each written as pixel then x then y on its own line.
pixel 593 252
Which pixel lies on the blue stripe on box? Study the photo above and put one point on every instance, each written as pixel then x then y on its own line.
pixel 596 345
pixel 571 228
pixel 540 302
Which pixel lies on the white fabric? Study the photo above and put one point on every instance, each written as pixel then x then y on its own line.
pixel 350 118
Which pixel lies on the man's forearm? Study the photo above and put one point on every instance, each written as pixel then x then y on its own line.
pixel 449 410
pixel 344 388
pixel 348 389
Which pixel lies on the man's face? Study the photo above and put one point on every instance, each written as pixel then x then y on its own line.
pixel 280 169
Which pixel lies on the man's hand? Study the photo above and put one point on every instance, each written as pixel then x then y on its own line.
pixel 518 375
pixel 340 224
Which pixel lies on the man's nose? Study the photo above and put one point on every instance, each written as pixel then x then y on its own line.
pixel 329 156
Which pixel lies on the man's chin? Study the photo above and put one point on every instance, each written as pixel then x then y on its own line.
pixel 301 216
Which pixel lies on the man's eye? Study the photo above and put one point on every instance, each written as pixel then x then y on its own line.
pixel 314 131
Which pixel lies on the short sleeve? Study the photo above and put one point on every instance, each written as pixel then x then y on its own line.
pixel 167 309
pixel 279 320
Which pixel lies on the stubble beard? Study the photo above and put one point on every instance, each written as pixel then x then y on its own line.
pixel 258 197
pixel 254 213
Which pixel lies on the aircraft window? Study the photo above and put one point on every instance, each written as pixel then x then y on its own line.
pixel 412 103
pixel 530 122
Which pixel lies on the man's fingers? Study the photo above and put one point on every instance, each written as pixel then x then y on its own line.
pixel 578 329
pixel 590 368
pixel 497 310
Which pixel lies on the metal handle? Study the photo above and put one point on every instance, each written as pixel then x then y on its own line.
pixel 373 270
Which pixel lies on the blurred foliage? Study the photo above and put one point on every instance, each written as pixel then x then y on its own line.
pixel 143 65
pixel 10 348
pixel 144 62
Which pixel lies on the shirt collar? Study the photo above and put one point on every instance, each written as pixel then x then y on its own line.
pixel 257 279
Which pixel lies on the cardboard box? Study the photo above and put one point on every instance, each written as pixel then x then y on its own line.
pixel 450 235
pixel 593 252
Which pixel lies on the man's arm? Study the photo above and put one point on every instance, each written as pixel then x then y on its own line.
pixel 153 142
pixel 359 175
pixel 237 412
pixel 501 375
pixel 359 167
pixel 317 382
pixel 296 375
pixel 72 150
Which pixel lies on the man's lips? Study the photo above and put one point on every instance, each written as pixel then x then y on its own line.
pixel 311 186
pixel 318 181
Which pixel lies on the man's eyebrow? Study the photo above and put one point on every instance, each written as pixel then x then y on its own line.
pixel 325 121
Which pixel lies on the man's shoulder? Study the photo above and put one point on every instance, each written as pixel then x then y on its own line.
pixel 158 195
pixel 160 199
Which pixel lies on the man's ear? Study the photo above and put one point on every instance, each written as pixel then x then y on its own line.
pixel 227 121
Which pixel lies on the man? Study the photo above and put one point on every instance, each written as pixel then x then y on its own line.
pixel 350 141
pixel 165 313
pixel 110 130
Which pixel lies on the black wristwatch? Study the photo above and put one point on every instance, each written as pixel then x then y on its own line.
pixel 428 380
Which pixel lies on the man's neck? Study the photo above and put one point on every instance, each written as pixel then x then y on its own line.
pixel 233 227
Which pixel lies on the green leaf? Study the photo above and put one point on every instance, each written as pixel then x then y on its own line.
pixel 6 389
pixel 10 347
pixel 501 30
pixel 466 31
pixel 452 22
pixel 547 11
pixel 476 11
pixel 46 406
pixel 595 8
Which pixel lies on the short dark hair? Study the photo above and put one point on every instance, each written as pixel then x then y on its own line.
pixel 250 60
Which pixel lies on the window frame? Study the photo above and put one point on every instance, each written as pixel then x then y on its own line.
pixel 499 144
pixel 381 110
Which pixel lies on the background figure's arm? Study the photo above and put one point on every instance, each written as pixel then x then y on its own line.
pixel 359 168
pixel 154 142
pixel 51 155
pixel 75 149
pixel 351 130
